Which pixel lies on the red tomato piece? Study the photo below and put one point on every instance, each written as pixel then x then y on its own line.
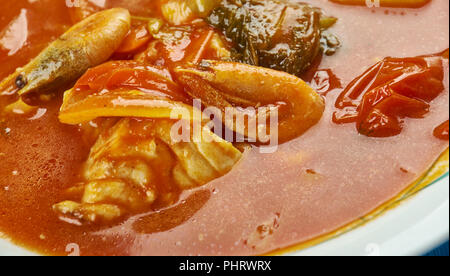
pixel 391 90
pixel 441 131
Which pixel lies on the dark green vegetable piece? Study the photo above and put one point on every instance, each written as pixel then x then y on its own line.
pixel 277 34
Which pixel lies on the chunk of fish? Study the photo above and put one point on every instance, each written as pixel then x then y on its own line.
pixel 86 44
pixel 136 164
pixel 88 212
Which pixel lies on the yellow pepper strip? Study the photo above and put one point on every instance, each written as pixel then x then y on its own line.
pixel 77 110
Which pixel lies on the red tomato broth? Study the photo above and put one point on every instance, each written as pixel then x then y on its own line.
pixel 276 192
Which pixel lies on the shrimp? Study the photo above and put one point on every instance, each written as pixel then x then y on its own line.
pixel 86 44
pixel 228 84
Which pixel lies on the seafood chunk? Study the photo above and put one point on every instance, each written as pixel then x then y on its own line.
pixel 102 201
pixel 88 212
pixel 141 152
pixel 200 160
pixel 137 165
pixel 228 84
pixel 217 83
pixel 116 192
pixel 86 44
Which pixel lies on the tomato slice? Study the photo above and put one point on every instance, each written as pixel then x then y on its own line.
pixel 441 132
pixel 390 91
